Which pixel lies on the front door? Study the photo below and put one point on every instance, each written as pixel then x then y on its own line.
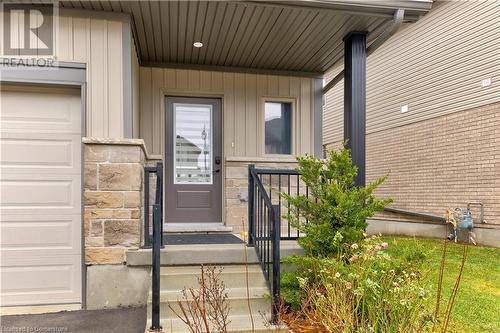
pixel 193 176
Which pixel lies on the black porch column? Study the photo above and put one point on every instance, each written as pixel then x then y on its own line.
pixel 355 99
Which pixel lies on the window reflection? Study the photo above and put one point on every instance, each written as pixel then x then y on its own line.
pixel 193 143
pixel 278 128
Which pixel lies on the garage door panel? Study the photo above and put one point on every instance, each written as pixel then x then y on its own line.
pixel 48 235
pixel 40 194
pixel 41 153
pixel 43 280
pixel 37 109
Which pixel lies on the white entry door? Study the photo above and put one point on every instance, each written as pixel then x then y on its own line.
pixel 40 196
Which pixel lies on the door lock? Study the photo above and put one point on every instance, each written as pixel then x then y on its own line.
pixel 217 160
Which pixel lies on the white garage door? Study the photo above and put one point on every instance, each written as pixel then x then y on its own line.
pixel 40 179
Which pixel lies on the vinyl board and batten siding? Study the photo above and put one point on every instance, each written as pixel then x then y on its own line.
pixel 434 65
pixel 97 42
pixel 243 100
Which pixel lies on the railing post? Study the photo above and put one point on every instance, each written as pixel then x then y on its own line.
pixel 147 240
pixel 251 203
pixel 276 235
pixel 157 236
pixel 159 193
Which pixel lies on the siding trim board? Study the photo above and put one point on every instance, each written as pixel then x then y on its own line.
pixel 66 74
pixel 318 118
pixel 382 8
pixel 127 79
pixel 231 69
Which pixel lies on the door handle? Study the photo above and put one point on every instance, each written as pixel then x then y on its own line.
pixel 216 171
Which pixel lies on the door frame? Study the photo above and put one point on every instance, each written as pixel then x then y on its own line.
pixel 164 93
pixel 70 74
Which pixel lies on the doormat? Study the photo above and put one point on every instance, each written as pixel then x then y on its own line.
pixel 186 239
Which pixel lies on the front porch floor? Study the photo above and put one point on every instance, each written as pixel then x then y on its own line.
pixel 196 227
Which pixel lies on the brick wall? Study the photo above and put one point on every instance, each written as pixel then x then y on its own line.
pixel 440 163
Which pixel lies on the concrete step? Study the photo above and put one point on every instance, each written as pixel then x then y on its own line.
pixel 240 324
pixel 238 305
pixel 195 269
pixel 232 294
pixel 233 276
pixel 175 278
pixel 223 254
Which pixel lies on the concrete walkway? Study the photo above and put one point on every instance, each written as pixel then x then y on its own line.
pixel 129 320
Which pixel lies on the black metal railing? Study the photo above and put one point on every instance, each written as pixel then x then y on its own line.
pixel 265 229
pixel 156 170
pixel 156 238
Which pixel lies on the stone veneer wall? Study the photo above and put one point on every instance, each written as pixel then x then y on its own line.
pixel 113 187
pixel 236 189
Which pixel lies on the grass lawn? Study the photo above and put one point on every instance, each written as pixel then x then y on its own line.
pixel 477 306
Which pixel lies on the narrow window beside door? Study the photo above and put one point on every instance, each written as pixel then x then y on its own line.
pixel 278 128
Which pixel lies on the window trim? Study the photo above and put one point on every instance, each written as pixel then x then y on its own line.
pixel 262 127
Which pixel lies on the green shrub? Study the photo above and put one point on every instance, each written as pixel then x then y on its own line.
pixel 336 210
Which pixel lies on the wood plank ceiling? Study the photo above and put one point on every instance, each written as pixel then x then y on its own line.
pixel 239 34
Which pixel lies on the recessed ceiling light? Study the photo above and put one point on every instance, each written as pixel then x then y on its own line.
pixel 198 44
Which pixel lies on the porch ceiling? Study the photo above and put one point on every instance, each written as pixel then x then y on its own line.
pixel 298 36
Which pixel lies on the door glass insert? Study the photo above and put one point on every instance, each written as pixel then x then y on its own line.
pixel 192 144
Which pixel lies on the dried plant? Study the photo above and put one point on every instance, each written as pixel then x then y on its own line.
pixel 454 291
pixel 451 220
pixel 218 309
pixel 287 320
pixel 440 284
pixel 206 309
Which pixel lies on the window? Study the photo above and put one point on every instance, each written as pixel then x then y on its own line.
pixel 278 128
pixel 193 144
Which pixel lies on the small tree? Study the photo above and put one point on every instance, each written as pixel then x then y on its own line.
pixel 336 209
